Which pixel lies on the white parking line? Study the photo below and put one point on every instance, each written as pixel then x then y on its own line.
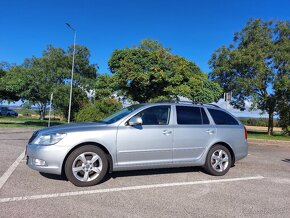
pixel 89 192
pixel 11 169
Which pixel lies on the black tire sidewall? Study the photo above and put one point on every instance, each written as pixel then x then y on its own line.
pixel 77 152
pixel 208 167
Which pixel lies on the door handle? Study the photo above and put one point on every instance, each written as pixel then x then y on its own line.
pixel 210 131
pixel 166 132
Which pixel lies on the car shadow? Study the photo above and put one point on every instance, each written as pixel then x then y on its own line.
pixel 154 172
pixel 147 172
pixel 133 173
pixel 53 176
pixel 286 160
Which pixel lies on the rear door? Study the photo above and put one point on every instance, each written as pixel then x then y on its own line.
pixel 193 132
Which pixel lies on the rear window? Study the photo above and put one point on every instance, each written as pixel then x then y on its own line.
pixel 222 118
pixel 188 115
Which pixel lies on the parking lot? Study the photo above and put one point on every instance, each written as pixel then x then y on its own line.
pixel 259 185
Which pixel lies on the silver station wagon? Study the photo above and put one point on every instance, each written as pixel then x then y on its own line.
pixel 144 136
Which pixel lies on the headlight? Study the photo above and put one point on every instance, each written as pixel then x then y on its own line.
pixel 49 139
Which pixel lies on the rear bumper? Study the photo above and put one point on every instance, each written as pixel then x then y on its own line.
pixel 241 151
pixel 52 155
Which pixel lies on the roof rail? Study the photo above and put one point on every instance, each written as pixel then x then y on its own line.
pixel 189 102
pixel 169 101
pixel 214 105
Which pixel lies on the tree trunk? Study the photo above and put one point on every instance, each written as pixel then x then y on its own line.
pixel 270 123
pixel 42 110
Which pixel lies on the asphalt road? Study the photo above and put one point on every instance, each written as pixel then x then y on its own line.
pixel 258 186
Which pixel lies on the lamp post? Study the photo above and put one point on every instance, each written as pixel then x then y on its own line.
pixel 72 72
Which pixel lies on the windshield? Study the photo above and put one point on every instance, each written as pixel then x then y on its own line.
pixel 119 115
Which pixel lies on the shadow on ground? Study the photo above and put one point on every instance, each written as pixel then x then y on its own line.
pixel 286 160
pixel 131 173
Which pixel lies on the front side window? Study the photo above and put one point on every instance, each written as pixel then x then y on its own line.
pixel 157 115
pixel 222 118
pixel 188 115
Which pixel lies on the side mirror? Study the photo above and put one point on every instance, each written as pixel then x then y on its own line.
pixel 135 121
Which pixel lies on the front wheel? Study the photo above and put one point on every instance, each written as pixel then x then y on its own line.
pixel 86 166
pixel 218 161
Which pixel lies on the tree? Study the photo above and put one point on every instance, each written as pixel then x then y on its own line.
pixel 61 99
pixel 150 72
pixel 105 86
pixel 37 78
pixel 247 67
pixel 6 93
pixel 282 66
pixel 99 110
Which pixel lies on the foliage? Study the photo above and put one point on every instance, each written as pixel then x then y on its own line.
pixel 99 110
pixel 6 92
pixel 25 112
pixel 257 122
pixel 105 86
pixel 251 65
pixel 61 99
pixel 282 82
pixel 149 71
pixel 37 78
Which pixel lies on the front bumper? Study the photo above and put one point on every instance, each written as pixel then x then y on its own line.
pixel 53 156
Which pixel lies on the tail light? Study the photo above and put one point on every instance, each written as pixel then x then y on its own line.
pixel 246 133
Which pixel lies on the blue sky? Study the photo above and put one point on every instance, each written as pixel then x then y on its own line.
pixel 193 29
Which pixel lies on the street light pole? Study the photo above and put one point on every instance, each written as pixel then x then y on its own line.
pixel 72 72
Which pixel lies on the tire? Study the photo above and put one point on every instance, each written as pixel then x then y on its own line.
pixel 218 161
pixel 86 172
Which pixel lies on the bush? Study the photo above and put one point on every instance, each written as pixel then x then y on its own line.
pixel 257 122
pixel 99 110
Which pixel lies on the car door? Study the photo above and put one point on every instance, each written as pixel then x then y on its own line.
pixel 192 133
pixel 149 143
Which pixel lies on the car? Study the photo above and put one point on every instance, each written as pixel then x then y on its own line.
pixel 4 111
pixel 143 136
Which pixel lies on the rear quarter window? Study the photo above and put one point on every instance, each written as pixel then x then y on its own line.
pixel 222 118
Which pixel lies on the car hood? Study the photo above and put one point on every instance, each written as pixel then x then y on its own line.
pixel 72 127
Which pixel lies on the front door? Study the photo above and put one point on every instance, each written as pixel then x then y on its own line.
pixel 149 143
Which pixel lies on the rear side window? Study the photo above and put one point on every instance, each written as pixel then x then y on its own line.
pixel 222 118
pixel 188 115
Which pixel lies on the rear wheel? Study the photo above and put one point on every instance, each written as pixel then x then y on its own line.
pixel 86 166
pixel 218 161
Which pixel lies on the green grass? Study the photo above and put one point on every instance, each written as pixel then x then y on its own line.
pixel 26 122
pixel 263 135
pixel 26 112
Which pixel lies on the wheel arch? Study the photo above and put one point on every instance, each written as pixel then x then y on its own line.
pixel 108 155
pixel 229 148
